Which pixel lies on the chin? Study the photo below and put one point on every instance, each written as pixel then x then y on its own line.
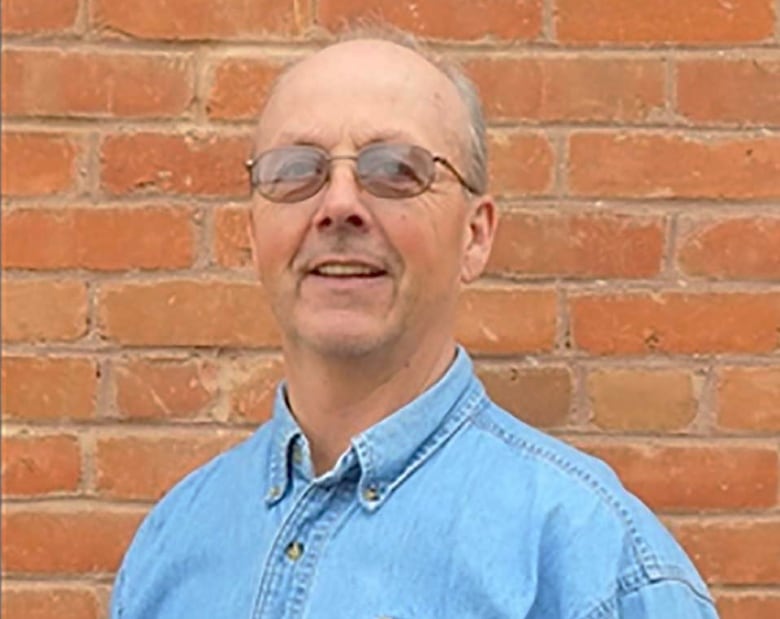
pixel 345 339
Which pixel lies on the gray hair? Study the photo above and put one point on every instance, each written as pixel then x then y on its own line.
pixel 476 144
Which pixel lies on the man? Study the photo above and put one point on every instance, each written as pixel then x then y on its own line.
pixel 387 484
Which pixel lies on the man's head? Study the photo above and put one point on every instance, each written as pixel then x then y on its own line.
pixel 350 270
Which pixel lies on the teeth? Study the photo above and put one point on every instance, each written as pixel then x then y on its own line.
pixel 345 270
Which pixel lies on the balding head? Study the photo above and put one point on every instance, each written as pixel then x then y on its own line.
pixel 408 84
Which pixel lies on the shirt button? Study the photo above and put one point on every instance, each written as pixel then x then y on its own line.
pixel 274 492
pixel 371 494
pixel 294 551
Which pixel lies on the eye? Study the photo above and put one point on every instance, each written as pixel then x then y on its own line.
pixel 297 168
pixel 389 166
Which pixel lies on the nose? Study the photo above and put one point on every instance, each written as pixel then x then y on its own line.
pixel 340 204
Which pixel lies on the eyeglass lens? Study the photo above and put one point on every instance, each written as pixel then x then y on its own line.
pixel 295 173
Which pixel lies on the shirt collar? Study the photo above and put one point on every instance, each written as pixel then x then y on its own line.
pixel 390 450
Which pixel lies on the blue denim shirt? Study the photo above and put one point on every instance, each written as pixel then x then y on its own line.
pixel 449 508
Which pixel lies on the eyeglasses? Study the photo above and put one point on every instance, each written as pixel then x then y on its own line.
pixel 295 173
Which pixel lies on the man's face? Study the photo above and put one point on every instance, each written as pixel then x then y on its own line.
pixel 348 273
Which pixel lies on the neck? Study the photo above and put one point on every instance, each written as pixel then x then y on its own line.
pixel 334 399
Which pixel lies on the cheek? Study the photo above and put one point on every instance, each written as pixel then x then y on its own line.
pixel 275 244
pixel 428 245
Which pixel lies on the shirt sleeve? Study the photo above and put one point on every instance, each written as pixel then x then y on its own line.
pixel 666 599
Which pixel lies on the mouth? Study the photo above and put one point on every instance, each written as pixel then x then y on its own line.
pixel 347 270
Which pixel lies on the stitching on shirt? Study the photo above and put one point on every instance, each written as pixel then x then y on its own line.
pixel 607 609
pixel 473 396
pixel 649 570
pixel 544 454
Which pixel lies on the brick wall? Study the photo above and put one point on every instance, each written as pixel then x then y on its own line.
pixel 632 305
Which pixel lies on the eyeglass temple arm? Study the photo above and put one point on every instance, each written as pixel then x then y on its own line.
pixel 457 174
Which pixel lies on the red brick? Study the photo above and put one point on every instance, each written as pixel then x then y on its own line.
pixel 442 19
pixel 46 601
pixel 661 21
pixel 153 163
pixel 231 241
pixel 577 245
pixel 733 91
pixel 749 605
pixel 644 323
pixel 695 478
pixel 164 388
pixel 137 467
pixel 521 163
pixel 733 552
pixel 202 19
pixel 655 165
pixel 541 397
pixel 569 89
pixel 483 325
pixel 187 313
pixel 37 164
pixel 57 83
pixel 38 16
pixel 66 540
pixel 101 239
pixel 642 399
pixel 252 398
pixel 733 247
pixel 241 86
pixel 40 464
pixel 749 398
pixel 43 310
pixel 48 388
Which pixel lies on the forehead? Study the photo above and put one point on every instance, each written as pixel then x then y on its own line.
pixel 361 91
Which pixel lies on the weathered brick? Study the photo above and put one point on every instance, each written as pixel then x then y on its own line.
pixel 483 326
pixel 231 246
pixel 38 164
pixel 442 19
pixel 154 163
pixel 738 552
pixel 37 310
pixel 689 478
pixel 164 388
pixel 251 400
pixel 38 16
pixel 101 239
pixel 575 245
pixel 141 467
pixel 671 165
pixel 241 86
pixel 520 163
pixel 202 19
pixel 732 91
pixel 187 313
pixel 48 541
pixel 71 83
pixel 663 21
pixel 646 323
pixel 642 399
pixel 34 465
pixel 748 605
pixel 570 89
pixel 731 247
pixel 541 396
pixel 45 601
pixel 749 398
pixel 48 388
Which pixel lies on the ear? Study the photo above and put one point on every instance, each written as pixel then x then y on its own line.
pixel 481 230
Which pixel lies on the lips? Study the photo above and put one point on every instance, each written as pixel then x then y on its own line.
pixel 346 269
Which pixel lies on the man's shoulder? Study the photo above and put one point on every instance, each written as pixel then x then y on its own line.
pixel 577 505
